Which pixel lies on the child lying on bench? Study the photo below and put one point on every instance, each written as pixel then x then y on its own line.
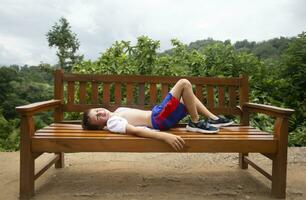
pixel 179 102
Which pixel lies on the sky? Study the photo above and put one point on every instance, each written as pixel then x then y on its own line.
pixel 99 23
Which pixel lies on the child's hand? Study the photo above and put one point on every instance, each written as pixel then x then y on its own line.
pixel 175 141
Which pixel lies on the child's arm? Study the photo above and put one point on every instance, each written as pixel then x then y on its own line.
pixel 175 141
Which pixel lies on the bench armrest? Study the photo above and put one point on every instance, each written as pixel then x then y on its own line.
pixel 267 109
pixel 38 107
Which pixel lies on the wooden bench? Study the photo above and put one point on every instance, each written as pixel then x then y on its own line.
pixel 221 95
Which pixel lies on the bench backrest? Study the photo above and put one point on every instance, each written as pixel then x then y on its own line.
pixel 79 92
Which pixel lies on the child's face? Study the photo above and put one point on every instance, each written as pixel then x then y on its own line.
pixel 99 116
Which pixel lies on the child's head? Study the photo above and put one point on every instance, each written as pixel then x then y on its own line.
pixel 95 118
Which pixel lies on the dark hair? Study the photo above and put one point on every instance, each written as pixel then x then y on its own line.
pixel 86 125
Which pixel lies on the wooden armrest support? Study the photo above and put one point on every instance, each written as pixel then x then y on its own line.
pixel 267 109
pixel 38 107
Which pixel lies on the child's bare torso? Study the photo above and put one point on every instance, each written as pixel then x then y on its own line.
pixel 135 117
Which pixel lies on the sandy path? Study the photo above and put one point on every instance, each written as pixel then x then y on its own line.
pixel 154 176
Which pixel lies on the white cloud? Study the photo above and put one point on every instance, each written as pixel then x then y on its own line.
pixel 98 24
pixel 18 50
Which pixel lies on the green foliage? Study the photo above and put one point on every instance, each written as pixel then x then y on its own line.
pixel 22 86
pixel 144 55
pixel 293 76
pixel 9 136
pixel 263 122
pixel 298 136
pixel 65 40
pixel 122 58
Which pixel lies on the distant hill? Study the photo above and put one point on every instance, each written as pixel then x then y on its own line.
pixel 272 48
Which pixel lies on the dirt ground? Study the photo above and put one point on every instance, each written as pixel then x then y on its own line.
pixel 115 176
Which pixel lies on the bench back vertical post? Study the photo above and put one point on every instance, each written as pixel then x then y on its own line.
pixel 58 94
pixel 244 117
pixel 58 112
pixel 244 98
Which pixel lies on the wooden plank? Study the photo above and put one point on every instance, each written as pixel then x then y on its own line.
pixel 244 90
pixel 112 135
pixel 36 155
pixel 27 160
pixel 173 130
pixel 225 111
pixel 177 132
pixel 33 108
pixel 58 84
pixel 65 124
pixel 232 96
pixel 60 163
pixel 199 92
pixel 70 92
pixel 44 168
pixel 82 92
pixel 210 96
pixel 227 128
pixel 75 133
pixel 82 107
pixel 259 169
pixel 232 127
pixel 272 111
pixel 224 129
pixel 58 93
pixel 164 90
pixel 118 93
pixel 94 93
pixel 141 94
pixel 106 94
pixel 221 96
pixel 270 156
pixel 244 98
pixel 153 94
pixel 129 93
pixel 279 164
pixel 137 144
pixel 151 79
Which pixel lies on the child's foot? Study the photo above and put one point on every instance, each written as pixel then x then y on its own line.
pixel 201 126
pixel 222 121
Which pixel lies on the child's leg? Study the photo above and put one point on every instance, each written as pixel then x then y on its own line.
pixel 203 110
pixel 190 99
pixel 183 89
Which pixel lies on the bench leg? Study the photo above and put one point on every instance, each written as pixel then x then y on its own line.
pixel 27 159
pixel 279 160
pixel 61 162
pixel 279 175
pixel 242 163
pixel 27 170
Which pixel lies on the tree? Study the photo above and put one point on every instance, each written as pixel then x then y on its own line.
pixel 293 75
pixel 65 40
pixel 145 55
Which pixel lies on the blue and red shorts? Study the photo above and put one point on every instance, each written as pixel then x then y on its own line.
pixel 168 113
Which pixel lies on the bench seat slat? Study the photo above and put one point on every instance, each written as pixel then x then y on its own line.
pixel 63 129
pixel 106 133
pixel 226 130
pixel 138 144
pixel 78 128
pixel 184 134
